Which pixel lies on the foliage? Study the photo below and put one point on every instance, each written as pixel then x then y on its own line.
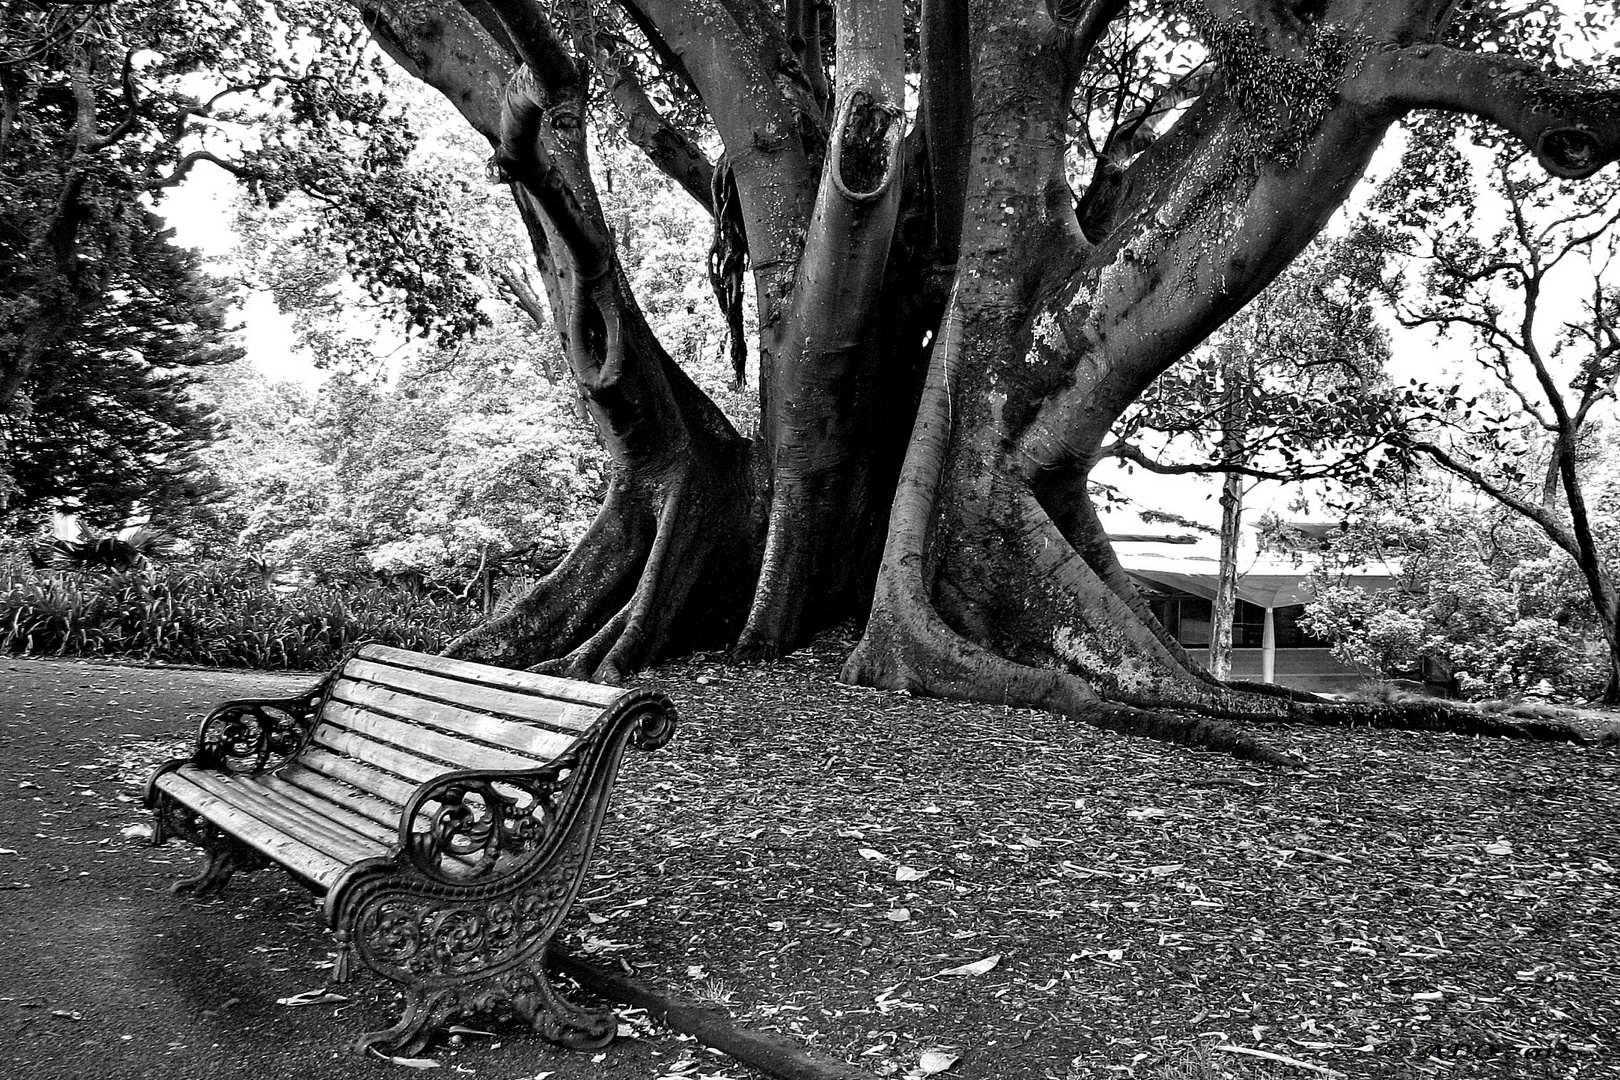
pixel 212 615
pixel 468 462
pixel 1471 245
pixel 379 225
pixel 105 423
pixel 1290 389
pixel 1481 596
pixel 134 549
pixel 103 109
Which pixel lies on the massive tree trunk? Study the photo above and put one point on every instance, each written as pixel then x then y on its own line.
pixel 937 285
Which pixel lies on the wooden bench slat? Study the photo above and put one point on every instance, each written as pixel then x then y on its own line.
pixel 476 696
pixel 550 686
pixel 290 784
pixel 459 753
pixel 380 755
pixel 357 798
pixel 307 862
pixel 324 835
pixel 318 804
pixel 385 786
pixel 543 744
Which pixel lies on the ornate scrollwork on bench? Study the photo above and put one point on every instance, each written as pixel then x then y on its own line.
pixel 470 825
pixel 253 736
pixel 476 947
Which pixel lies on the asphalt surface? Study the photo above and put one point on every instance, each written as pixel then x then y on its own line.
pixel 105 974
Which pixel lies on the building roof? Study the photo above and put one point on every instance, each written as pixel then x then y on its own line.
pixel 1265 578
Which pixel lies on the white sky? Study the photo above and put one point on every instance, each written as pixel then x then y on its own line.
pixel 202 214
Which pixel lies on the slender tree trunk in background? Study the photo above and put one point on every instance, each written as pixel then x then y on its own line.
pixel 1224 611
pixel 1237 378
pixel 941 289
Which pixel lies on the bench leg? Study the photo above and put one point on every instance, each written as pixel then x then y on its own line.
pixel 526 991
pixel 424 1014
pixel 223 862
pixel 225 855
pixel 556 1019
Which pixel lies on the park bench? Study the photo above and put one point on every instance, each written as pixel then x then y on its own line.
pixel 445 810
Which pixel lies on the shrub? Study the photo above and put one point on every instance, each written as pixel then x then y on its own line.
pixel 214 616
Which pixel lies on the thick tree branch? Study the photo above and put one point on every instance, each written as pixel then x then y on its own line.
pixel 1572 127
pixel 804 37
pixel 1084 22
pixel 539 46
pixel 665 145
pixel 1350 462
pixel 946 115
pixel 126 123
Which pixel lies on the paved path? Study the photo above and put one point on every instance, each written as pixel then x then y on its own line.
pixel 105 975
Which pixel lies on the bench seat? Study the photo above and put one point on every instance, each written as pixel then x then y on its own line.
pixel 415 793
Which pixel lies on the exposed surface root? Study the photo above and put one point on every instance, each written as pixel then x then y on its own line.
pixel 908 647
pixel 1446 716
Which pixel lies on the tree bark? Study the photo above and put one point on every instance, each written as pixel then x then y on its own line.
pixel 827 387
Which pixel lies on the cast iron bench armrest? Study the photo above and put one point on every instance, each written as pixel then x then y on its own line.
pixel 252 735
pixel 471 824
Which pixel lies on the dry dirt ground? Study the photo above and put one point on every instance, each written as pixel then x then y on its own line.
pixel 903 884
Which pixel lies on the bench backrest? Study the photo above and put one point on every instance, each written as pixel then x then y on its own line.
pixel 420 716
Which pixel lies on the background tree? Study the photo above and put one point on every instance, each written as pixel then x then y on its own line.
pixel 1284 392
pixel 939 284
pixel 103 109
pixel 105 423
pixel 1548 367
pixel 469 468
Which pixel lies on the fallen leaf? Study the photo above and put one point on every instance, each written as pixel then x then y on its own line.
pixel 978 967
pixel 409 1063
pixel 907 873
pixel 1280 1058
pixel 871 853
pixel 937 1061
pixel 311 997
pixel 899 915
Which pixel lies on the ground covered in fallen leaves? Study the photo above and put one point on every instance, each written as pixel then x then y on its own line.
pixel 912 886
pixel 883 877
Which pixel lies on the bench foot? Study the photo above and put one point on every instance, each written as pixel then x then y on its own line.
pixel 222 865
pixel 529 994
pixel 558 1020
pixel 424 1014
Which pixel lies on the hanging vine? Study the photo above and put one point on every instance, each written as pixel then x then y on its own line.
pixel 728 258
